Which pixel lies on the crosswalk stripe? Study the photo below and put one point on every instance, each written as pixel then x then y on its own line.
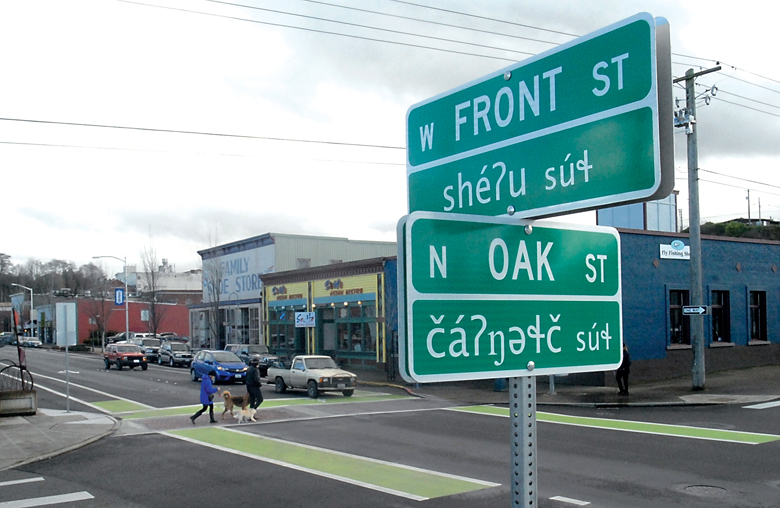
pixel 730 436
pixel 765 405
pixel 396 479
pixel 18 482
pixel 47 500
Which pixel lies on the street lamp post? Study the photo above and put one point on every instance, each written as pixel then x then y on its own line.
pixel 32 307
pixel 127 305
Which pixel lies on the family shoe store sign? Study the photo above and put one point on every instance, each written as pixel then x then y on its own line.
pixel 676 250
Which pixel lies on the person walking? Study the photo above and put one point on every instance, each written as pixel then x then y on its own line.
pixel 621 376
pixel 253 383
pixel 207 392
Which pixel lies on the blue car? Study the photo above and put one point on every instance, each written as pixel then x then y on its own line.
pixel 229 367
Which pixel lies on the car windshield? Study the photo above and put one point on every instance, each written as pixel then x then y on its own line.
pixel 179 347
pixel 226 357
pixel 260 349
pixel 151 342
pixel 128 349
pixel 321 363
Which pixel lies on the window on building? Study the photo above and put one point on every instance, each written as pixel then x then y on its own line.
pixel 758 315
pixel 679 329
pixel 254 325
pixel 281 328
pixel 721 322
pixel 356 328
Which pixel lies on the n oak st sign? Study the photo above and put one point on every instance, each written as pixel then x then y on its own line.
pixel 483 297
pixel 585 125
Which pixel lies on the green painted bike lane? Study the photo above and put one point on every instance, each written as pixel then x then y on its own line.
pixel 396 479
pixel 128 410
pixel 731 436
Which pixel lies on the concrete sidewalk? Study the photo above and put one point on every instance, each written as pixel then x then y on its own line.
pixel 26 439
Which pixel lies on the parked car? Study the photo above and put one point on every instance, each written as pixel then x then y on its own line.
pixel 149 345
pixel 7 338
pixel 314 374
pixel 30 342
pixel 125 337
pixel 248 351
pixel 174 353
pixel 226 364
pixel 125 355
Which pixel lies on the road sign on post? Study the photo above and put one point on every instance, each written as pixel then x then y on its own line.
pixel 695 310
pixel 483 297
pixel 585 125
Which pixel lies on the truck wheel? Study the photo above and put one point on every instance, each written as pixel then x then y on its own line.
pixel 312 390
pixel 119 365
pixel 280 386
pixel 144 367
pixel 348 393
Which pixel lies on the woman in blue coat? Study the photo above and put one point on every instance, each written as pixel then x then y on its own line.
pixel 207 392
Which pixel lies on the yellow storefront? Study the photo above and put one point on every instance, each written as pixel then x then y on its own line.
pixel 349 316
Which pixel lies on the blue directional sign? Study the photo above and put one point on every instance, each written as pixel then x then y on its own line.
pixel 119 296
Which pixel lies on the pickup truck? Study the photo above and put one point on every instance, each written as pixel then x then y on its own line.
pixel 314 374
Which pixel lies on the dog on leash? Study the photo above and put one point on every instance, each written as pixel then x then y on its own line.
pixel 245 415
pixel 232 401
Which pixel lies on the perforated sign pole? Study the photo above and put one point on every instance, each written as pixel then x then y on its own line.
pixel 522 420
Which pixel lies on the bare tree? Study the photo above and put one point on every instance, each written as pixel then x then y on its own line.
pixel 151 294
pixel 213 274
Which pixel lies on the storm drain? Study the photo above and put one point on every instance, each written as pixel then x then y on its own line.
pixel 705 491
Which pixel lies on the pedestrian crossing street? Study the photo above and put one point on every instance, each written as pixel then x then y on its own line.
pixel 25 493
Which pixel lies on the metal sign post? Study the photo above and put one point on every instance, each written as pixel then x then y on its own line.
pixel 522 420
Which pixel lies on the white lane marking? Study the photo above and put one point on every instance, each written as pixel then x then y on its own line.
pixel 765 405
pixel 570 500
pixel 105 394
pixel 48 500
pixel 75 399
pixel 65 372
pixel 331 476
pixel 299 468
pixel 17 482
pixel 368 459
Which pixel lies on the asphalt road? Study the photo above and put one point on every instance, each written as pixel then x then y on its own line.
pixel 415 442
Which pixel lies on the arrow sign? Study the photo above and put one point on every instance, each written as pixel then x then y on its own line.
pixel 695 310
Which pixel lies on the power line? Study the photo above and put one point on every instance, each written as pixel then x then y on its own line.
pixel 200 133
pixel 484 17
pixel 438 23
pixel 280 25
pixel 398 32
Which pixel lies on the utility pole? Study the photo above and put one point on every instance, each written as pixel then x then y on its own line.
pixel 748 200
pixel 697 293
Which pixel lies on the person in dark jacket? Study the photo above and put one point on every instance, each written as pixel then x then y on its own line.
pixel 621 376
pixel 253 383
pixel 207 392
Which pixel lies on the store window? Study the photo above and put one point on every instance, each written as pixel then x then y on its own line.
pixel 758 315
pixel 721 323
pixel 281 328
pixel 254 325
pixel 356 328
pixel 679 329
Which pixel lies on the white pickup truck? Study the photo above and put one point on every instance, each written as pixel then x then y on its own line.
pixel 314 374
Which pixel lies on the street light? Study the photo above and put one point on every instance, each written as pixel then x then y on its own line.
pixel 127 305
pixel 32 306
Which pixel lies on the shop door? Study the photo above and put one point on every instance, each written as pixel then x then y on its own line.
pixel 326 332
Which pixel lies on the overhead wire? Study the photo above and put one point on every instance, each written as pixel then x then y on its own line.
pixel 314 30
pixel 379 29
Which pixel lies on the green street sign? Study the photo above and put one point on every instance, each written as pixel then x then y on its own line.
pixel 484 298
pixel 585 125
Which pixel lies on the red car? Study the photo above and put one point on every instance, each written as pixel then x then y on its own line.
pixel 125 355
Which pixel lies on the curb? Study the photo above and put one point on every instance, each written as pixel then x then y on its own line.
pixel 390 385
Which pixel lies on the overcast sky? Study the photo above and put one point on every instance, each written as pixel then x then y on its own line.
pixel 334 104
